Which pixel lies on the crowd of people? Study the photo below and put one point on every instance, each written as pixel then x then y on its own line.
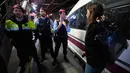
pixel 20 29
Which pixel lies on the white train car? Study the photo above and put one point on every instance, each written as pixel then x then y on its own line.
pixel 115 10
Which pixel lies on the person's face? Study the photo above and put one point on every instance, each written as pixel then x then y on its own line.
pixel 18 12
pixel 63 15
pixel 42 13
pixel 88 14
pixel 103 17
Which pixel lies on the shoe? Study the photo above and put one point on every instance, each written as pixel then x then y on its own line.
pixel 66 59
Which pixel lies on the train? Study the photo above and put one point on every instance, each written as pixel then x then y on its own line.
pixel 117 12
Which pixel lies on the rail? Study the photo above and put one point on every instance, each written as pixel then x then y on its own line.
pixel 3 3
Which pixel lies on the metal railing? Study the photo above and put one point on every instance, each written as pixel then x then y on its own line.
pixel 3 16
pixel 3 3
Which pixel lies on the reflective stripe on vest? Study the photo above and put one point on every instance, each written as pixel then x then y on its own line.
pixel 31 25
pixel 11 26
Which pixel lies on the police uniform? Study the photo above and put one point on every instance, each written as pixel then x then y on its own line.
pixel 21 34
pixel 45 35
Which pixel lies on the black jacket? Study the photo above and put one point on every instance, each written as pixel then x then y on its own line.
pixel 97 52
pixel 21 38
pixel 44 27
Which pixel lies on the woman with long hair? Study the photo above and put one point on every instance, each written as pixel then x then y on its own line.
pixel 96 51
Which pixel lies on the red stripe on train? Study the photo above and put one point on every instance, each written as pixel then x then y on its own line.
pixel 113 68
pixel 77 43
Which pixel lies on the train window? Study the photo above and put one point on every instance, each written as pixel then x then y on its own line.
pixel 120 16
pixel 78 19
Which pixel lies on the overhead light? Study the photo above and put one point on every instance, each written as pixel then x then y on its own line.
pixel 34 6
pixel 52 4
pixel 46 4
pixel 24 4
pixel 55 3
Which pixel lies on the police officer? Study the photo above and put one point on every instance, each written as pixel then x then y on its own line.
pixel 60 27
pixel 44 27
pixel 19 29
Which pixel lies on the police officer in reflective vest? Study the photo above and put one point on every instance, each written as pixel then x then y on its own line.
pixel 19 30
pixel 44 27
pixel 61 28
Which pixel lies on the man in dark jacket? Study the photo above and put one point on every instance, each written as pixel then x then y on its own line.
pixel 19 29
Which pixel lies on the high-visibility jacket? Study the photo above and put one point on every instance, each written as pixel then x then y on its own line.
pixel 20 32
pixel 12 26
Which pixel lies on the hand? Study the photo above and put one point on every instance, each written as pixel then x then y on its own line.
pixel 64 23
pixel 52 31
pixel 60 24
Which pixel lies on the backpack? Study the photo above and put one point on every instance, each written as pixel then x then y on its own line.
pixel 44 26
pixel 112 37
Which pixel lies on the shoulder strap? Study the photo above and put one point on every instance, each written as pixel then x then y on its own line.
pixel 48 21
pixel 57 22
pixel 39 20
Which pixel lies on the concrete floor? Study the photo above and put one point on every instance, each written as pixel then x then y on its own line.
pixel 62 67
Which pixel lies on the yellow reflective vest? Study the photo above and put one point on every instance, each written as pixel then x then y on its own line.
pixel 12 26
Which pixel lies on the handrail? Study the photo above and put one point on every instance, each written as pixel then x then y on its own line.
pixel 3 2
pixel 4 16
pixel 6 13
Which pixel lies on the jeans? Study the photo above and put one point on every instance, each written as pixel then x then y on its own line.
pixel 90 69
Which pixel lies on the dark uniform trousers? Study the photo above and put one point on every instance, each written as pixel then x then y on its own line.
pixel 46 43
pixel 58 41
pixel 3 68
pixel 24 54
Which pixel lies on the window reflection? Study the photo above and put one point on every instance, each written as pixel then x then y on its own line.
pixel 78 19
